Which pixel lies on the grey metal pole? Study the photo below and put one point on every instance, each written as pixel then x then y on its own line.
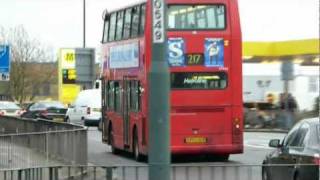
pixel 288 120
pixel 84 23
pixel 159 124
pixel 286 93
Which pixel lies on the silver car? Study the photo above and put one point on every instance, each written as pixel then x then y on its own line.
pixel 8 108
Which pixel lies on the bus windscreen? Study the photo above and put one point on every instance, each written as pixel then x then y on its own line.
pixel 196 17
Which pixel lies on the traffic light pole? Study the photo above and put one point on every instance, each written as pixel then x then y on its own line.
pixel 159 125
pixel 84 24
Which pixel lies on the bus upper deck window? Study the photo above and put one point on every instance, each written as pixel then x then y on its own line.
pixel 142 19
pixel 112 28
pixel 200 17
pixel 135 21
pixel 119 25
pixel 127 24
pixel 105 31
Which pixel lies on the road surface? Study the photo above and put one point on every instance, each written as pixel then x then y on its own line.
pixel 255 149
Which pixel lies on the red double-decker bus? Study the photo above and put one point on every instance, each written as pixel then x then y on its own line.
pixel 204 57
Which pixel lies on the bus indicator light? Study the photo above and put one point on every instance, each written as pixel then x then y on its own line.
pixel 226 43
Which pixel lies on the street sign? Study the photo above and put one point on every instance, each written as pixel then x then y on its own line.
pixel 76 71
pixel 158 21
pixel 68 66
pixel 287 71
pixel 69 76
pixel 4 63
pixel 85 67
pixel 68 58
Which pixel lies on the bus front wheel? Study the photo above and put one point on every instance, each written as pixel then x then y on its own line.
pixel 114 150
pixel 136 148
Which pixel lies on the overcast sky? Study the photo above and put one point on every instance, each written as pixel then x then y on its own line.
pixel 58 23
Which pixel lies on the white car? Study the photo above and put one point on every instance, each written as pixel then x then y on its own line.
pixel 86 110
pixel 8 108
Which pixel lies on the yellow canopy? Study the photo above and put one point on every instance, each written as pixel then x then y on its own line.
pixel 281 48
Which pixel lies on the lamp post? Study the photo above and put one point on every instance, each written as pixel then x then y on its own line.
pixel 159 124
pixel 84 24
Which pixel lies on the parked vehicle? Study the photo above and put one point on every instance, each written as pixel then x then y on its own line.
pixel 50 110
pixel 8 108
pixel 86 108
pixel 298 156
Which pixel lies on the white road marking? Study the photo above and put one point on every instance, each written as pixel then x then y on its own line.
pixel 259 144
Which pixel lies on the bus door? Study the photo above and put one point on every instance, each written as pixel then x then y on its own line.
pixel 103 108
pixel 126 106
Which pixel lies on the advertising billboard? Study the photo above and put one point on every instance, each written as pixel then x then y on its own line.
pixel 4 63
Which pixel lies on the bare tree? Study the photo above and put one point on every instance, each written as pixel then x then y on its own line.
pixel 27 54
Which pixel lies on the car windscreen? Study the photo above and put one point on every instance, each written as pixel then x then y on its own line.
pixel 196 17
pixel 8 105
pixel 95 102
pixel 53 105
pixel 318 132
pixel 198 80
pixel 315 138
pixel 91 98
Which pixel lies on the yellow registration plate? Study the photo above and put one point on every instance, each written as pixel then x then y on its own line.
pixel 57 119
pixel 196 140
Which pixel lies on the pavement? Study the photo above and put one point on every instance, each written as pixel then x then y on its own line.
pixel 275 130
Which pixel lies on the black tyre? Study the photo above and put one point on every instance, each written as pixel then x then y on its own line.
pixel 66 119
pixel 100 125
pixel 224 158
pixel 114 150
pixel 136 149
pixel 218 157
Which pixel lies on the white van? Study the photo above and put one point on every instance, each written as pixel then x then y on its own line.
pixel 86 108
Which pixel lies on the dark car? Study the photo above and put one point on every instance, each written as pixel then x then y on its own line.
pixel 297 157
pixel 50 110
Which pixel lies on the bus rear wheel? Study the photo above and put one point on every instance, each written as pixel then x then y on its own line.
pixel 218 157
pixel 224 158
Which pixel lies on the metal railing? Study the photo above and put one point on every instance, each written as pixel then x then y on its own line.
pixel 35 143
pixel 13 125
pixel 178 172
